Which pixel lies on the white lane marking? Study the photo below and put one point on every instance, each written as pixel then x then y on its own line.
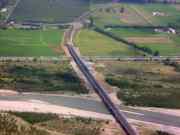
pixel 135 113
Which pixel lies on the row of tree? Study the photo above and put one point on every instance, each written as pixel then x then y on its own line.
pixel 131 44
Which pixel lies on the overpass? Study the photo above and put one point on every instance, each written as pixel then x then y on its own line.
pixel 119 116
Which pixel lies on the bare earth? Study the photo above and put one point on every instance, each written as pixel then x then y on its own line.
pixel 7 92
pixel 39 106
pixel 45 107
pixel 142 40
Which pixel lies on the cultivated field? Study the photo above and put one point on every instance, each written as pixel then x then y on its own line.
pixel 170 14
pixel 39 77
pixel 144 83
pixel 16 42
pixel 142 15
pixel 165 44
pixel 59 11
pixel 92 43
pixel 136 14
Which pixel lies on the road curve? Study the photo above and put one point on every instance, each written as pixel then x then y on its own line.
pixel 119 117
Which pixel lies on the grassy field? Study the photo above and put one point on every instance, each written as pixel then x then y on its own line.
pixel 92 43
pixel 16 42
pixel 141 15
pixel 111 14
pixel 135 14
pixel 134 32
pixel 166 44
pixel 61 11
pixel 171 13
pixel 143 83
pixel 164 49
pixel 40 77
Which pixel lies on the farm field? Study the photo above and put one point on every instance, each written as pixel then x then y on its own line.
pixel 135 14
pixel 165 44
pixel 164 49
pixel 40 77
pixel 170 14
pixel 17 42
pixel 150 84
pixel 92 43
pixel 112 14
pixel 51 11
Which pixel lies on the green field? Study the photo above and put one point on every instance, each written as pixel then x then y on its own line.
pixel 171 13
pixel 133 32
pixel 135 14
pixel 110 14
pixel 164 49
pixel 166 44
pixel 92 43
pixel 16 42
pixel 143 83
pixel 53 11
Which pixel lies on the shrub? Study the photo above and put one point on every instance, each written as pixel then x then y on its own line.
pixel 35 117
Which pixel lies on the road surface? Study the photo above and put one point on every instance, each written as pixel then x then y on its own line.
pixel 90 105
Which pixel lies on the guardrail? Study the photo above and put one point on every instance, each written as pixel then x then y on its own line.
pixel 126 58
pixel 42 58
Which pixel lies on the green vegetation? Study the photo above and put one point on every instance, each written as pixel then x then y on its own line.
pixel 24 123
pixel 135 14
pixel 16 42
pixel 17 123
pixel 92 43
pixel 74 126
pixel 161 133
pixel 165 44
pixel 131 44
pixel 166 49
pixel 39 77
pixel 133 32
pixel 171 14
pixel 61 11
pixel 159 43
pixel 11 125
pixel 34 118
pixel 144 83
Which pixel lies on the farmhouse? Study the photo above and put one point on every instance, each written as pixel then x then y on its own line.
pixel 168 30
pixel 3 10
pixel 157 13
pixel 171 30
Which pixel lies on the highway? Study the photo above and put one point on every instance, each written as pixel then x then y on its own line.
pixel 119 116
pixel 90 104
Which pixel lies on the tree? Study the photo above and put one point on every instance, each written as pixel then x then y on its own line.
pixel 122 10
pixel 156 53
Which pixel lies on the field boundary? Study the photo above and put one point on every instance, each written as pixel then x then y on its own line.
pixel 42 58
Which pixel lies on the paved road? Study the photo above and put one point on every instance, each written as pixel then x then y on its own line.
pixel 97 106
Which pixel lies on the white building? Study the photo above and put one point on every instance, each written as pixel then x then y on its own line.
pixel 157 13
pixel 3 10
